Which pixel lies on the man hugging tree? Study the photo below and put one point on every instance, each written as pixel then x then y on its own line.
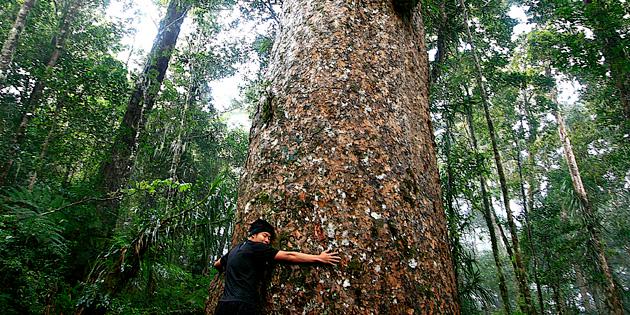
pixel 246 264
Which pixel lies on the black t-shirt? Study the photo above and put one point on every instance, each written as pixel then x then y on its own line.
pixel 245 266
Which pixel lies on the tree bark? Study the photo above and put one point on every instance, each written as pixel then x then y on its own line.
pixel 117 169
pixel 487 216
pixel 10 44
pixel 519 269
pixel 342 155
pixel 35 98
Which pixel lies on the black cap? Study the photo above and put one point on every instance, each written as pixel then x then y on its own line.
pixel 261 225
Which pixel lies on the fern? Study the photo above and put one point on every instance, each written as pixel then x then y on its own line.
pixel 32 246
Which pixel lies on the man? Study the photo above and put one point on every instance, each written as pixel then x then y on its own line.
pixel 246 264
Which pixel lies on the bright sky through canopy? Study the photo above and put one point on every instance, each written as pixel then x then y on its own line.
pixel 144 17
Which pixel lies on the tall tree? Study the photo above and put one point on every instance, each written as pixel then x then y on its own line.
pixel 10 44
pixel 524 114
pixel 517 260
pixel 70 11
pixel 342 155
pixel 487 213
pixel 117 169
pixel 613 301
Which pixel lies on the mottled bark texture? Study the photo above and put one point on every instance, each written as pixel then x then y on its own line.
pixel 342 155
pixel 11 42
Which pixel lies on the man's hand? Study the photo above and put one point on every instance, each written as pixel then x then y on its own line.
pixel 328 257
pixel 218 266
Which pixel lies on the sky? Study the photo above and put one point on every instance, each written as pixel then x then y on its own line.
pixel 145 19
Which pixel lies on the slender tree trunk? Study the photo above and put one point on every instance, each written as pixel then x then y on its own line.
pixel 10 44
pixel 528 206
pixel 487 215
pixel 521 275
pixel 44 148
pixel 557 298
pixel 179 145
pixel 528 228
pixel 452 218
pixel 342 155
pixel 442 41
pixel 40 159
pixel 584 292
pixel 499 228
pixel 532 184
pixel 613 300
pixel 117 169
pixel 35 98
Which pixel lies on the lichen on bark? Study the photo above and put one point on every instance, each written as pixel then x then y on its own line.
pixel 347 162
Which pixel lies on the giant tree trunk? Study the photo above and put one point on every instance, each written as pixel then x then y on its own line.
pixel 10 44
pixel 36 95
pixel 117 169
pixel 342 155
pixel 519 269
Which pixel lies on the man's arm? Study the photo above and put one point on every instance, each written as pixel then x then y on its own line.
pixel 221 263
pixel 326 257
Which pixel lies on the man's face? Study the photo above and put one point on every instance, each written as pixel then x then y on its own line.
pixel 262 237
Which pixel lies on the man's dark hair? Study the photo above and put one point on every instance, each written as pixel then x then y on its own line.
pixel 261 225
